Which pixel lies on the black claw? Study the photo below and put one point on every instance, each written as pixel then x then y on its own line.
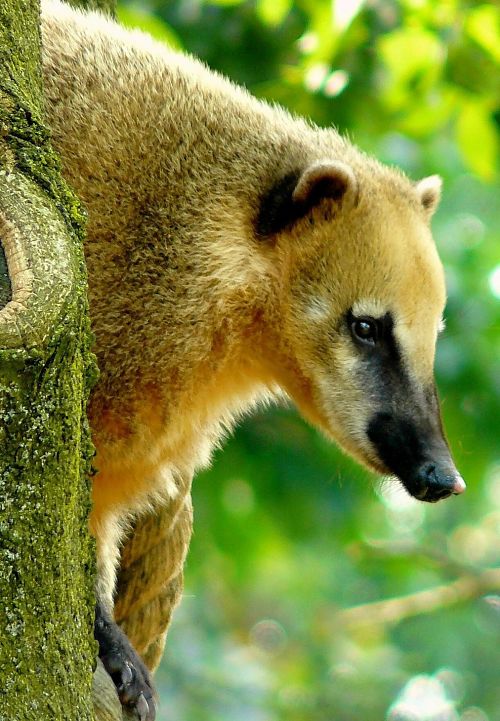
pixel 142 708
pixel 127 675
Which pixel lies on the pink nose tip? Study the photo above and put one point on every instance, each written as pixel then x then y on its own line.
pixel 459 485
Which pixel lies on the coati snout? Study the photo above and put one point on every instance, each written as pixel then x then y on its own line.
pixel 419 457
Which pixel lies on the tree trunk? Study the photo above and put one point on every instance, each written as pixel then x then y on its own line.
pixel 46 555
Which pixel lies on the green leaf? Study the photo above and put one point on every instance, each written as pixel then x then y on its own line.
pixel 273 12
pixel 227 3
pixel 344 12
pixel 322 29
pixel 439 108
pixel 477 139
pixel 132 16
pixel 411 52
pixel 483 26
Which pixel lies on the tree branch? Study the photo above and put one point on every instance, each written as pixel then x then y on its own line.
pixel 394 610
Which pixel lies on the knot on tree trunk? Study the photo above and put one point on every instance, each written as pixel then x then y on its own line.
pixel 39 263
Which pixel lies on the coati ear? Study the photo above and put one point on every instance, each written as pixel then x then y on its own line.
pixel 297 193
pixel 429 192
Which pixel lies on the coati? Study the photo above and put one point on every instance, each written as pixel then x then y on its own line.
pixel 235 253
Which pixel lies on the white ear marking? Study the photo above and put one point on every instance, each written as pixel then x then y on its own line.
pixel 429 191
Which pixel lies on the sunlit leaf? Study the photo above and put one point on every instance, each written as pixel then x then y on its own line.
pixel 344 11
pixel 477 139
pixel 483 25
pixel 321 25
pixel 133 16
pixel 410 52
pixel 469 67
pixel 227 3
pixel 439 107
pixel 273 12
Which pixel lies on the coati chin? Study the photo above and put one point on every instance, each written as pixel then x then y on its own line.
pixel 235 254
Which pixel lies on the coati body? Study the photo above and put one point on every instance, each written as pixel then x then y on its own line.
pixel 236 253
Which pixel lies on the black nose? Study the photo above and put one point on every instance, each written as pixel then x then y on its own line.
pixel 432 482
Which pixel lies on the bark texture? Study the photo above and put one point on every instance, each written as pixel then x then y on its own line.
pixel 46 555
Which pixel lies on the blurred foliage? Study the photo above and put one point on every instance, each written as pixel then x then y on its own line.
pixel 288 530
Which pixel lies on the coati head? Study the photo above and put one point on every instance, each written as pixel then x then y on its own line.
pixel 361 296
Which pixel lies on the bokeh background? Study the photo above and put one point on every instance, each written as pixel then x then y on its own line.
pixel 312 592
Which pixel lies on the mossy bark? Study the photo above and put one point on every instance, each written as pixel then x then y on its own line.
pixel 47 650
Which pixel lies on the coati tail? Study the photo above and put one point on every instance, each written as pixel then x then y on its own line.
pixel 150 578
pixel 150 584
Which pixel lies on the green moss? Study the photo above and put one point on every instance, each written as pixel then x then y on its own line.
pixel 20 74
pixel 21 120
pixel 28 138
pixel 46 645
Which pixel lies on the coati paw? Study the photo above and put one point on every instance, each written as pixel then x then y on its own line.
pixel 122 662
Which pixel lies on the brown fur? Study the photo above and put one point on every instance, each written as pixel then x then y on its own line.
pixel 197 319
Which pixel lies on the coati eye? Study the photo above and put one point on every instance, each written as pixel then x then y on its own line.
pixel 365 330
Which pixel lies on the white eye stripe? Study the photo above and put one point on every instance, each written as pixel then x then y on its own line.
pixel 370 307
